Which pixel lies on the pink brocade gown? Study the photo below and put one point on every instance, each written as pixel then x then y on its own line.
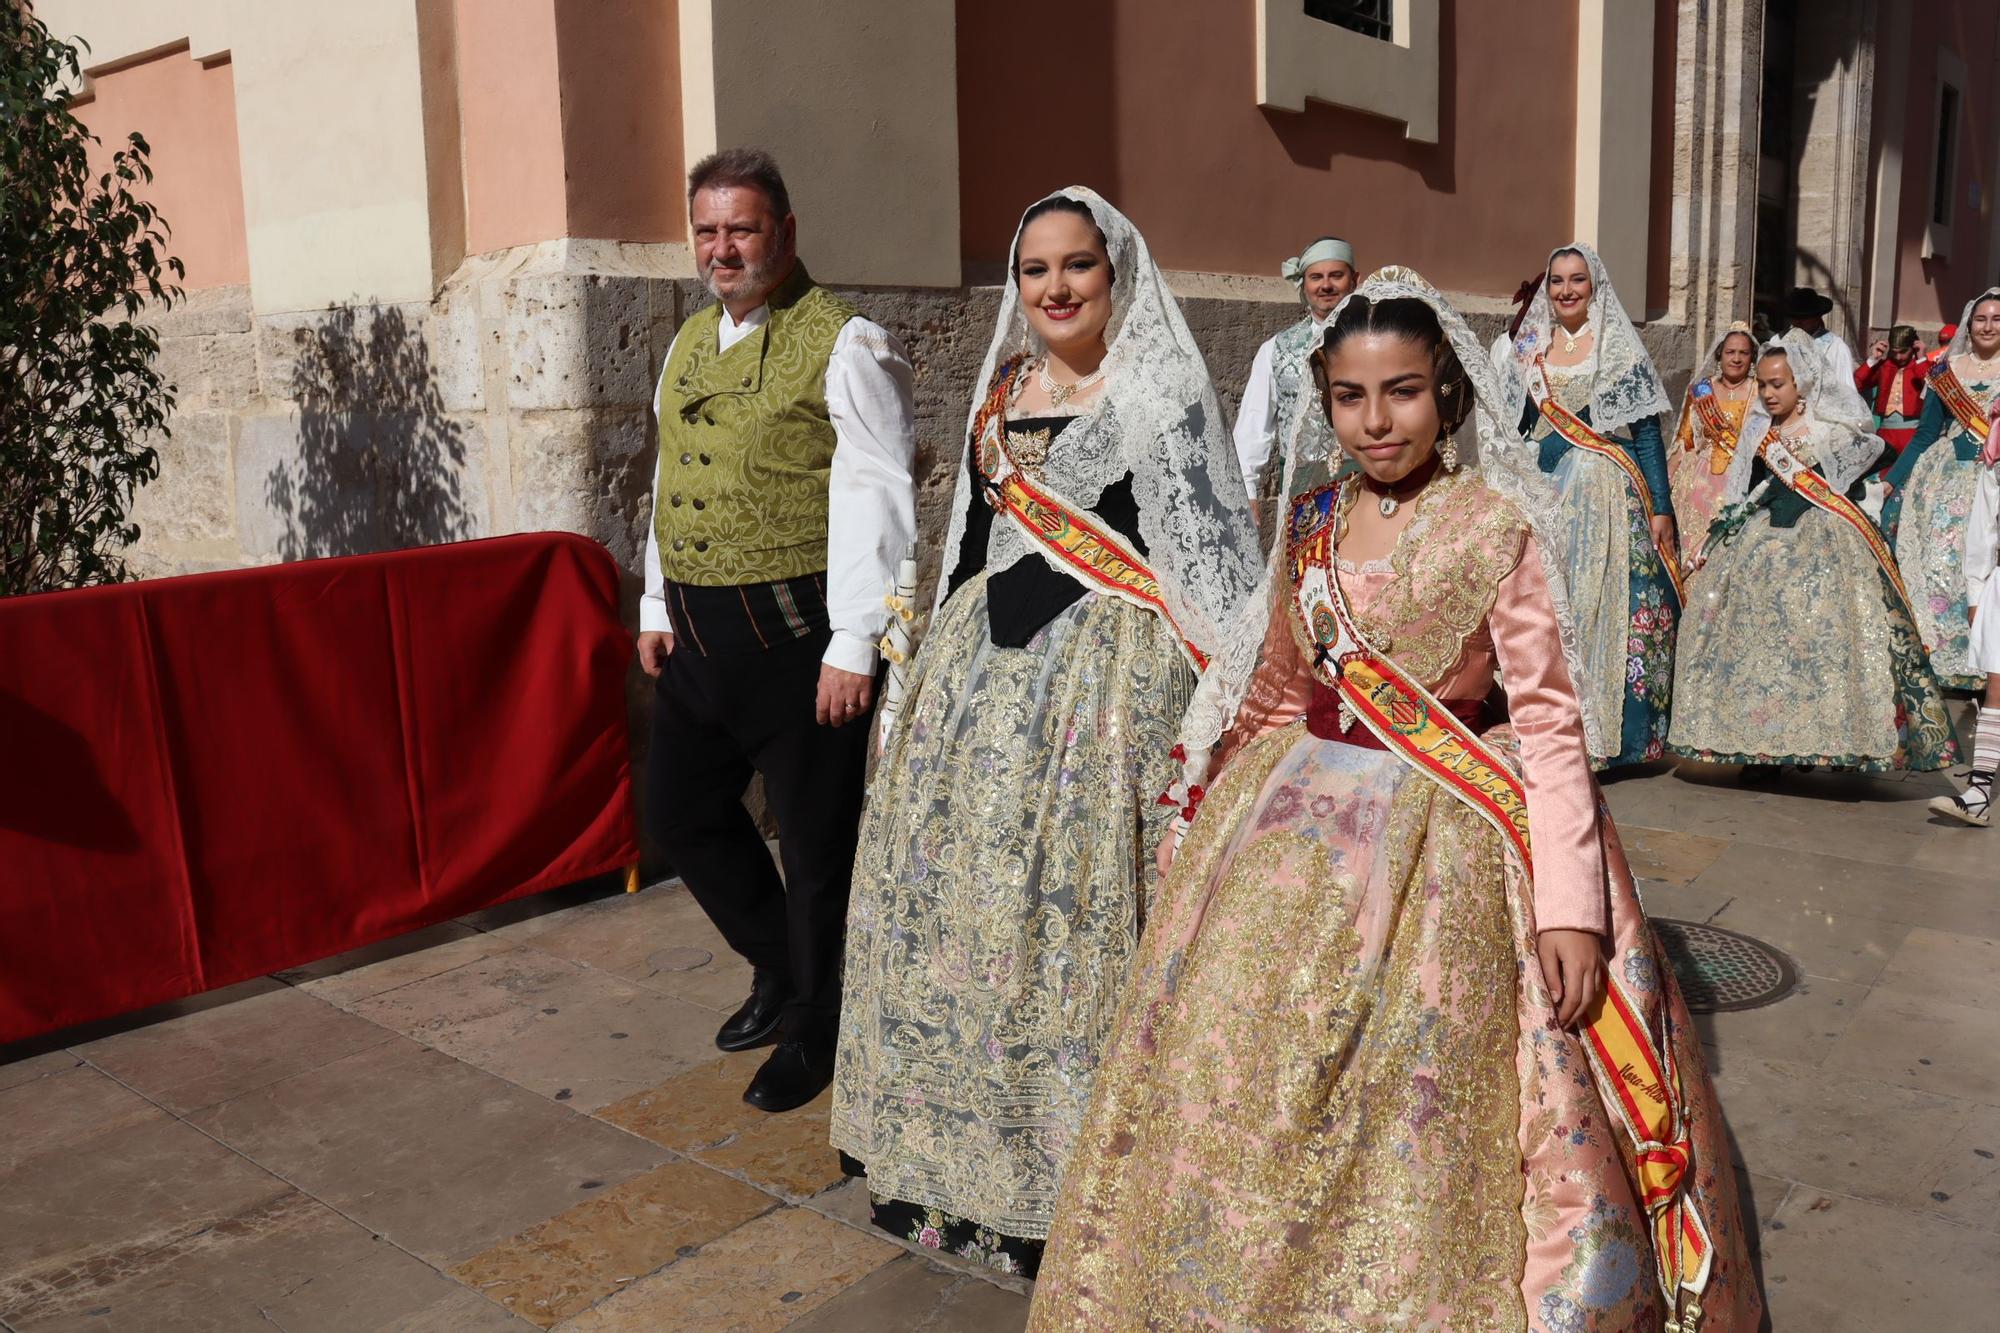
pixel 1336 1097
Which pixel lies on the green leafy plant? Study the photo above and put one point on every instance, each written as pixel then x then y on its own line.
pixel 81 258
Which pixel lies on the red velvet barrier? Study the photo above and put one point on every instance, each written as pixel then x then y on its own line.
pixel 206 779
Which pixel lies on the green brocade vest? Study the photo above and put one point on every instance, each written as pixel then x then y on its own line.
pixel 746 445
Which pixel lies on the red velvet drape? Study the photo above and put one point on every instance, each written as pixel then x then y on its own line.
pixel 206 779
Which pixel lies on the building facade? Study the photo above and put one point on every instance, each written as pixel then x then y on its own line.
pixel 436 249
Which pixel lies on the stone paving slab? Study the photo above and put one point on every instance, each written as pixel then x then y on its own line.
pixel 566 1031
pixel 763 1275
pixel 211 1056
pixel 1834 1264
pixel 702 1113
pixel 422 954
pixel 444 1159
pixel 596 1248
pixel 661 939
pixel 292 1264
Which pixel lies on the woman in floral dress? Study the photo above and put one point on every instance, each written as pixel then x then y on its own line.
pixel 1584 391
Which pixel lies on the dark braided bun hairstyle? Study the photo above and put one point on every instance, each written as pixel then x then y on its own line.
pixel 1408 318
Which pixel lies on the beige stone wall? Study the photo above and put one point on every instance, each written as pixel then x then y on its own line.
pixel 520 400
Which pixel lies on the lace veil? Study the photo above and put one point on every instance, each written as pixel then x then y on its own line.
pixel 1624 387
pixel 1488 443
pixel 1157 419
pixel 1961 341
pixel 1841 430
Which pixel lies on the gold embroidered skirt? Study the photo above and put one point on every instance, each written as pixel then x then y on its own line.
pixel 1006 844
pixel 1336 1097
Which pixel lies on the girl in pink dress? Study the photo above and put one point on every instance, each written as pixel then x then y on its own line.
pixel 1400 1049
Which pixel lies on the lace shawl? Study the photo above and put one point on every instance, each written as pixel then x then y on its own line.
pixel 1624 386
pixel 1488 443
pixel 1840 430
pixel 1158 419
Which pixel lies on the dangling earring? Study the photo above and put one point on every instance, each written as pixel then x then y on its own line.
pixel 1448 452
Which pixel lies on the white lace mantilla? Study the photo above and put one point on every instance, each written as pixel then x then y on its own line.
pixel 1158 419
pixel 1624 386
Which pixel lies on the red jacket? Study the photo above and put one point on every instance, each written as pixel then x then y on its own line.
pixel 1877 384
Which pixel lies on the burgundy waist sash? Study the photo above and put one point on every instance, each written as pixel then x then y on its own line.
pixel 1323 718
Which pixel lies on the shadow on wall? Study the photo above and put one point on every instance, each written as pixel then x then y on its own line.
pixel 379 464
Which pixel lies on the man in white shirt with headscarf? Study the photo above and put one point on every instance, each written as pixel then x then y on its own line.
pixel 1280 384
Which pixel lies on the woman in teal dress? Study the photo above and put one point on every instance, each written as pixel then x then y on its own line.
pixel 1933 486
pixel 1579 383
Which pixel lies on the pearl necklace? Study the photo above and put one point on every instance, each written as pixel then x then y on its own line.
pixel 1060 393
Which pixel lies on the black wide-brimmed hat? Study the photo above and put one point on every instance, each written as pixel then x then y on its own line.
pixel 1804 303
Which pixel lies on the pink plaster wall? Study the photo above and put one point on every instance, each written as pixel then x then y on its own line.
pixel 621 118
pixel 1154 103
pixel 510 117
pixel 1931 291
pixel 187 113
pixel 572 120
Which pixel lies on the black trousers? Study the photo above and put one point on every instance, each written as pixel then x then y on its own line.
pixel 717 719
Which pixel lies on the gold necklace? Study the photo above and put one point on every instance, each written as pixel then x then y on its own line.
pixel 1570 339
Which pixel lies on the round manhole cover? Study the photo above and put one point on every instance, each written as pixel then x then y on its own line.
pixel 1720 970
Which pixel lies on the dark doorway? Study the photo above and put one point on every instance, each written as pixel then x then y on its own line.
pixel 1777 199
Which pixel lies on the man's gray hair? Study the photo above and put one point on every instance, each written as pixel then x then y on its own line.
pixel 738 167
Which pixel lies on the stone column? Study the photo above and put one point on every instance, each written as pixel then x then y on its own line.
pixel 1614 139
pixel 1717 86
pixel 1892 73
pixel 1833 103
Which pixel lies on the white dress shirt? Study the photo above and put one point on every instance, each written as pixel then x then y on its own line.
pixel 1257 424
pixel 1839 356
pixel 1256 430
pixel 871 494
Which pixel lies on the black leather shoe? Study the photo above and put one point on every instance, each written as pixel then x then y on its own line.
pixel 756 1023
pixel 794 1075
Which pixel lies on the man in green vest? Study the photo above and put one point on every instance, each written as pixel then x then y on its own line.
pixel 783 502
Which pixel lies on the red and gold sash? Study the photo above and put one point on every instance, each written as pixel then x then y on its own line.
pixel 1716 427
pixel 1089 550
pixel 1580 435
pixel 1963 404
pixel 1806 481
pixel 1625 1040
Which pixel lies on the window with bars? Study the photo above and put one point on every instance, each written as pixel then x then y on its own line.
pixel 1370 18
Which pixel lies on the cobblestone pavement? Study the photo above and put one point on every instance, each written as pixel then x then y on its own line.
pixel 517 1119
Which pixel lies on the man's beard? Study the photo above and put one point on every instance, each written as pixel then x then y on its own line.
pixel 756 277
